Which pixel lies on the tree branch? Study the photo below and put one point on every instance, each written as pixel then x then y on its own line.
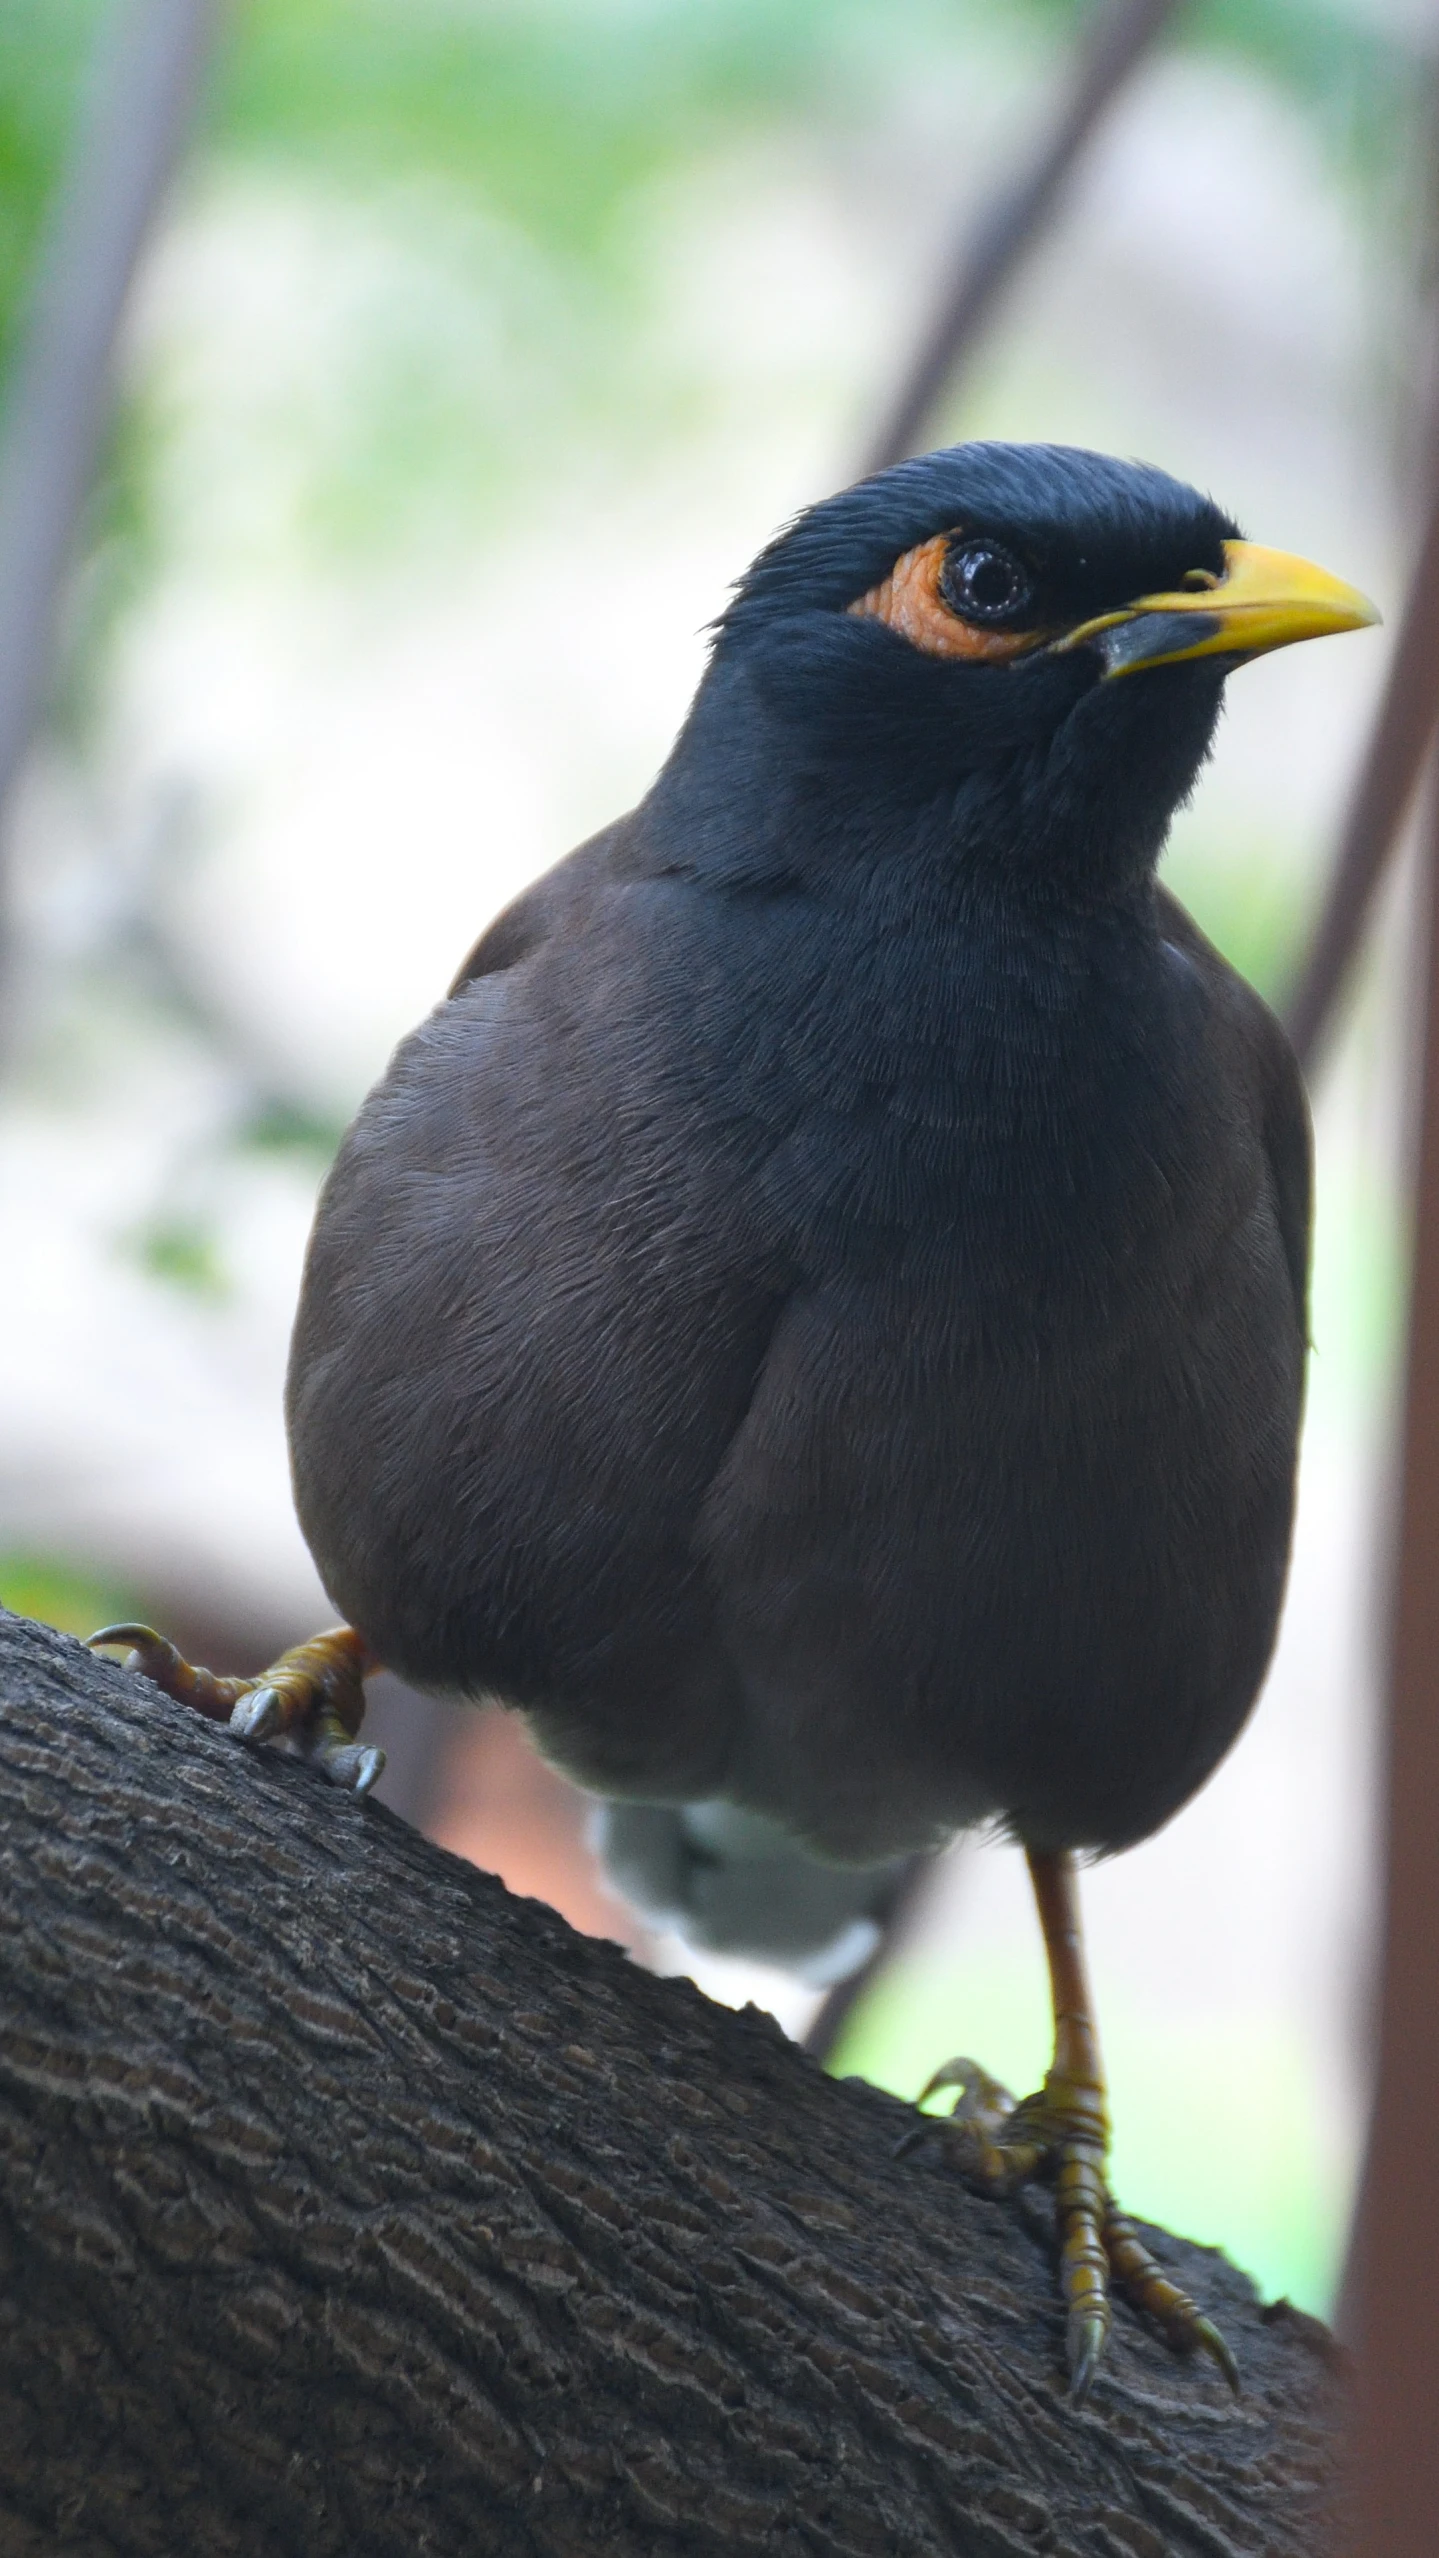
pixel 349 2205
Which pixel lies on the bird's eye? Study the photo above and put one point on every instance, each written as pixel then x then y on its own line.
pixel 983 582
pixel 954 596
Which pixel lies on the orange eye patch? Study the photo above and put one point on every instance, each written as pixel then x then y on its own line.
pixel 910 602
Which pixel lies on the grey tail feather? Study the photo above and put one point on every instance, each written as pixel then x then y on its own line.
pixel 732 1882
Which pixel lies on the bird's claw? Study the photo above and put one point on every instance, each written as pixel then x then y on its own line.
pixel 159 1662
pixel 1061 2134
pixel 259 1716
pixel 313 1695
pixel 340 1757
pixel 356 1768
pixel 1085 2336
pixel 1143 2282
pixel 975 2122
pixel 982 2101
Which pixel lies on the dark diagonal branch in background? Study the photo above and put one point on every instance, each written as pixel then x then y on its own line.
pixel 994 248
pixel 141 101
pixel 1398 741
pixel 898 1922
pixel 1395 2262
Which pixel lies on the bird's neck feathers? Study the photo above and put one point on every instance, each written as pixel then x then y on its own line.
pixel 791 775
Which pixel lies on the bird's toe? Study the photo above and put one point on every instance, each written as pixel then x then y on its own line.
pixel 314 1696
pixel 354 1765
pixel 1142 2281
pixel 258 1716
pixel 1059 2136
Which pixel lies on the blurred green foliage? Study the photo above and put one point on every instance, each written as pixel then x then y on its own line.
pixel 555 110
pixel 283 1127
pixel 59 1594
pixel 185 1253
pixel 44 48
pixel 1272 2195
pixel 551 117
pixel 1250 898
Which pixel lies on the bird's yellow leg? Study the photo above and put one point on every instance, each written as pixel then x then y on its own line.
pixel 1062 2134
pixel 314 1695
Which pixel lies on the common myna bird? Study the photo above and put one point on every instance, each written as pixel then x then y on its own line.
pixel 816 1318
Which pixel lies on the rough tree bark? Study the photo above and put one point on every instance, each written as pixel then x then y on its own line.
pixel 349 2205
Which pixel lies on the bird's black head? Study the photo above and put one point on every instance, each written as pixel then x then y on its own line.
pixel 938 646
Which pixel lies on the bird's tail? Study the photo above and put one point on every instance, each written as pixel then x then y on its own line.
pixel 731 1882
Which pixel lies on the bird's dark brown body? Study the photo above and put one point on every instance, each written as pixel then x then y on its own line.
pixel 817 1317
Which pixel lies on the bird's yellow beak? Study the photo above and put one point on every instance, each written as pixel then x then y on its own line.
pixel 1264 600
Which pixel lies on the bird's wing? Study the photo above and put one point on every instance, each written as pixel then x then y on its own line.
pixel 558 903
pixel 539 1291
pixel 1278 1087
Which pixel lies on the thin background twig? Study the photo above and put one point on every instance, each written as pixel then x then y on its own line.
pixel 992 249
pixel 143 88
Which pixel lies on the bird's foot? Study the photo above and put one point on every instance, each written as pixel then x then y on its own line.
pixel 313 1696
pixel 1060 2136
